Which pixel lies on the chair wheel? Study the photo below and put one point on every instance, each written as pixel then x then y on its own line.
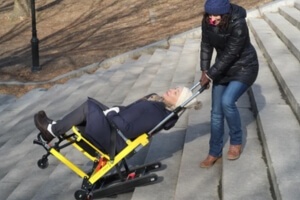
pixel 43 163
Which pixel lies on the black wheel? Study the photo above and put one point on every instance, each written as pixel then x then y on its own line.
pixel 82 195
pixel 157 165
pixel 43 163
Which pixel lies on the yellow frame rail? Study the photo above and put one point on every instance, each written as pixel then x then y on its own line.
pixel 142 140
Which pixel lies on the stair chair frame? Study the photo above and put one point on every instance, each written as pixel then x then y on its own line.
pixel 98 182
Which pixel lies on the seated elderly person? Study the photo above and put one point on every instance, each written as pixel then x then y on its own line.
pixel 132 120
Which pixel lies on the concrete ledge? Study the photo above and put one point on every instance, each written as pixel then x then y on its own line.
pixel 269 7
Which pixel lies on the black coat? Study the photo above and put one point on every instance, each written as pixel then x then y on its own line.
pixel 236 57
pixel 133 120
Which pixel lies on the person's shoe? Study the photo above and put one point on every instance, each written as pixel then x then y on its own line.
pixel 209 161
pixel 43 115
pixel 41 121
pixel 234 152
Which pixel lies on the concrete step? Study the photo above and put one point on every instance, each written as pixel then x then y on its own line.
pixel 185 71
pixel 279 129
pixel 297 4
pixel 287 32
pixel 144 77
pixel 170 156
pixel 6 100
pixel 251 165
pixel 193 181
pixel 129 75
pixel 9 115
pixel 275 100
pixel 291 14
pixel 247 177
pixel 166 69
pixel 279 55
pixel 264 170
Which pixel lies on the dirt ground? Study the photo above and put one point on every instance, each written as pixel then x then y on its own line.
pixel 73 34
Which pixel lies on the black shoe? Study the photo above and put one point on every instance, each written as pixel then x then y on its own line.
pixel 43 114
pixel 41 121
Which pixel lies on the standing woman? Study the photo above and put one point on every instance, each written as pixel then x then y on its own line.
pixel 235 69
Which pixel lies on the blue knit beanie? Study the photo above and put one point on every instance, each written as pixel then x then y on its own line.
pixel 217 7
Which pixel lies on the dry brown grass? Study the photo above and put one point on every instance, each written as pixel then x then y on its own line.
pixel 74 34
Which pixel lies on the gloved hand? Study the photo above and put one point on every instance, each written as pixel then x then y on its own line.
pixel 204 80
pixel 115 109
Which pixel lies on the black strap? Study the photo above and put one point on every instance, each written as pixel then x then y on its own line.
pixel 113 139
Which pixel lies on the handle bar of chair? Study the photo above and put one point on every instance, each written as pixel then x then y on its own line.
pixel 181 107
pixel 204 87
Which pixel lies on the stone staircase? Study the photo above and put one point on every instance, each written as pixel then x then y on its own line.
pixel 268 168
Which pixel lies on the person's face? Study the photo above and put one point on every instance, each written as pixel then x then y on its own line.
pixel 171 96
pixel 214 19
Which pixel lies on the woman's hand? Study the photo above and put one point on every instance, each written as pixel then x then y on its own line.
pixel 204 80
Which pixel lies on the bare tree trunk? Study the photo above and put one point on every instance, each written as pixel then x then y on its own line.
pixel 21 8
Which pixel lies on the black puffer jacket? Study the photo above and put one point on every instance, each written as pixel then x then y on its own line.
pixel 236 57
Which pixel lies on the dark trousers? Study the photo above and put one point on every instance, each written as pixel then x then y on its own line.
pixel 77 117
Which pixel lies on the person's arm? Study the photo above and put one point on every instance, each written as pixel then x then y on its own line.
pixel 232 51
pixel 117 109
pixel 206 51
pixel 138 118
pixel 205 57
pixel 125 122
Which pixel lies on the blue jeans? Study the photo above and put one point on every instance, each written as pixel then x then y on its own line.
pixel 224 99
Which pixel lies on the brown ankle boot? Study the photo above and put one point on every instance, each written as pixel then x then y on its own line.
pixel 209 161
pixel 234 152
